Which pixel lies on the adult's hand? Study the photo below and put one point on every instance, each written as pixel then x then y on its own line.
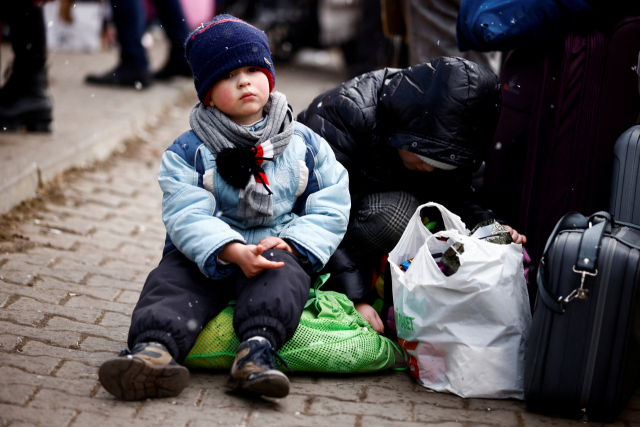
pixel 370 315
pixel 517 237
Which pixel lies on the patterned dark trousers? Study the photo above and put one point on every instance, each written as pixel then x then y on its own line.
pixel 377 223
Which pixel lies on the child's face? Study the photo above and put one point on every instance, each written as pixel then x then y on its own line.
pixel 241 95
pixel 413 162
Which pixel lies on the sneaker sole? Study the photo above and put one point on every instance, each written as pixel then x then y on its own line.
pixel 273 384
pixel 133 379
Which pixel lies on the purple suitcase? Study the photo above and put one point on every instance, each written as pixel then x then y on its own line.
pixel 563 109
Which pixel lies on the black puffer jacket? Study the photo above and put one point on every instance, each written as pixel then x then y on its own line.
pixel 446 110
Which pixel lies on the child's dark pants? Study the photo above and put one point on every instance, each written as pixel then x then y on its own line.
pixel 177 301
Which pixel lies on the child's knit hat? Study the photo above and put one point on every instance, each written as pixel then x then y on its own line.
pixel 223 45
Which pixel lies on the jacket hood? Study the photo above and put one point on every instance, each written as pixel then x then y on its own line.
pixel 446 110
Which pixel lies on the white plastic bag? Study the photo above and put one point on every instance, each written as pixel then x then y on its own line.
pixel 465 333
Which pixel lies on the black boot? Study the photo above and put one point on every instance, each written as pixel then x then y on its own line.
pixel 24 100
pixel 175 66
pixel 26 103
pixel 122 76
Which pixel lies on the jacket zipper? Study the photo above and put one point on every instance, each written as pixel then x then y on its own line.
pixel 597 325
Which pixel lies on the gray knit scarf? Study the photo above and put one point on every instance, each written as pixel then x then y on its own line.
pixel 218 132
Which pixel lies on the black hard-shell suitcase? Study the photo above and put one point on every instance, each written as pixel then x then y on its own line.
pixel 624 205
pixel 583 354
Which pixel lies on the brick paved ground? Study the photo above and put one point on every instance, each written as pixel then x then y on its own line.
pixel 68 284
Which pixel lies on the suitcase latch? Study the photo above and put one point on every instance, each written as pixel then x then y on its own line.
pixel 581 293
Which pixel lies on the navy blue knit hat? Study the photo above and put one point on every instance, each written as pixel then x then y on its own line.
pixel 223 45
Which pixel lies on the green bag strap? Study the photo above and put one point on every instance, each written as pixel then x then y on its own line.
pixel 314 292
pixel 398 350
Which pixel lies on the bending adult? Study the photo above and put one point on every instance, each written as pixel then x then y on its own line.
pixel 406 137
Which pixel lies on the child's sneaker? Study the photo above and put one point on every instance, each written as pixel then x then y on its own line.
pixel 253 370
pixel 146 371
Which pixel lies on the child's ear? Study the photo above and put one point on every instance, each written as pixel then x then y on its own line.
pixel 211 103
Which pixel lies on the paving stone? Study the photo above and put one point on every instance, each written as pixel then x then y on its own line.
pixel 22 317
pixel 277 419
pixel 95 212
pixel 377 422
pixel 34 348
pixel 106 239
pixel 109 282
pixel 103 404
pixel 75 226
pixel 4 297
pixel 209 380
pixel 102 239
pixel 61 290
pixel 116 319
pixel 432 413
pixel 381 395
pixel 77 370
pixel 72 259
pixel 7 342
pixel 34 416
pixel 62 338
pixel 129 297
pixel 40 236
pixel 150 258
pixel 108 200
pixel 537 420
pixel 398 380
pixel 217 397
pixel 11 376
pixel 163 409
pixel 95 419
pixel 69 274
pixel 444 400
pixel 37 364
pixel 396 411
pixel 120 270
pixel 31 305
pixel 25 276
pixel 61 324
pixel 304 377
pixel 493 404
pixel 23 262
pixel 84 302
pixel 101 344
pixel 16 394
pixel 347 392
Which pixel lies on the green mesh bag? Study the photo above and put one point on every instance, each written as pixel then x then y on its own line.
pixel 331 337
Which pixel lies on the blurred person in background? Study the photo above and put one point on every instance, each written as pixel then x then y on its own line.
pixel 355 26
pixel 24 99
pixel 133 70
pixel 428 27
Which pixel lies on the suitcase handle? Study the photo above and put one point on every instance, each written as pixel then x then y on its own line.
pixel 587 255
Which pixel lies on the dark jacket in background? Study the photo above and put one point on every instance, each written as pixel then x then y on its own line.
pixel 446 110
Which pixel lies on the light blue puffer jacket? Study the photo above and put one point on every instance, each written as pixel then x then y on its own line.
pixel 311 202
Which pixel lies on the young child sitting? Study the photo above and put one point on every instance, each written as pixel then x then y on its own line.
pixel 253 202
